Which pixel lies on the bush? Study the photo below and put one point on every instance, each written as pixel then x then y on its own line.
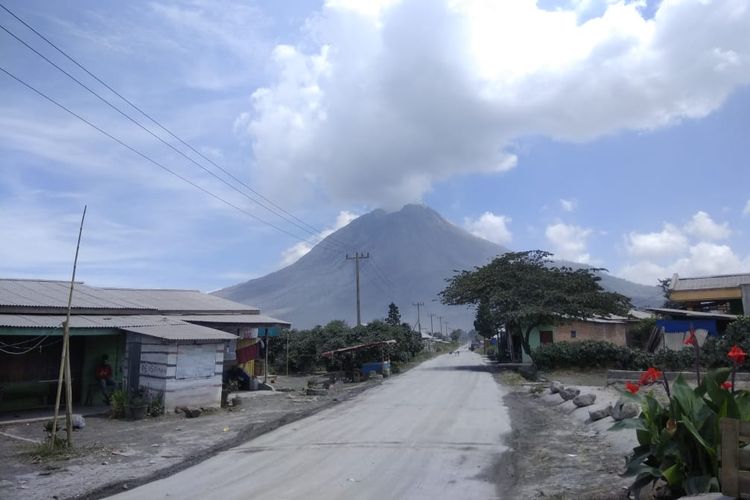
pixel 590 354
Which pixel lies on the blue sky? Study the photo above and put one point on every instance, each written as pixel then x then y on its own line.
pixel 611 133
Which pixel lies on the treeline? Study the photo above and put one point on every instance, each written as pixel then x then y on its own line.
pixel 305 346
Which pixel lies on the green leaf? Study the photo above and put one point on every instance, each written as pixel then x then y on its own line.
pixel 673 475
pixel 628 423
pixel 694 432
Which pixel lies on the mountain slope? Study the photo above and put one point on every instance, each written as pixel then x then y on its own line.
pixel 412 252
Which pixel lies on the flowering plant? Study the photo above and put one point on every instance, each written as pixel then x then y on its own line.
pixel 679 441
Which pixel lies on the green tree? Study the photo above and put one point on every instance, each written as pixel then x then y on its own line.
pixel 524 291
pixel 484 323
pixel 457 334
pixel 394 316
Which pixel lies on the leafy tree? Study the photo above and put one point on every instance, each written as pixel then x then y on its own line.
pixel 394 316
pixel 484 323
pixel 457 334
pixel 524 291
pixel 666 285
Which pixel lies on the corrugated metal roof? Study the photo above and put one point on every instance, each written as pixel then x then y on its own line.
pixel 691 314
pixel 84 321
pixel 41 293
pixel 179 300
pixel 184 331
pixel 54 294
pixel 233 319
pixel 709 282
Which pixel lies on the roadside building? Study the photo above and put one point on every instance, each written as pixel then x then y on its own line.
pixel 726 294
pixel 611 329
pixel 172 343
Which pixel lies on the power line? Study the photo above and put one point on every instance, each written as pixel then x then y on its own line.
pixel 152 119
pixel 146 157
pixel 160 139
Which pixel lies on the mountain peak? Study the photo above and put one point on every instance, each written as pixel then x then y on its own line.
pixel 411 251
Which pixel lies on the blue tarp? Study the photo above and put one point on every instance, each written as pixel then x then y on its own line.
pixel 683 325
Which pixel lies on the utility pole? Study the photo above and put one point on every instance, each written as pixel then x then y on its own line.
pixel 446 328
pixel 432 330
pixel 419 323
pixel 440 324
pixel 356 258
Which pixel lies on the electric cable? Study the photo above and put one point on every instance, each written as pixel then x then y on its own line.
pixel 156 122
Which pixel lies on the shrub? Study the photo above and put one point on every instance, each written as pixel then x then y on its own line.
pixel 590 354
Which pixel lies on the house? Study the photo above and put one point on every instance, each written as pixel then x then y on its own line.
pixel 705 305
pixel 172 343
pixel 610 328
pixel 727 294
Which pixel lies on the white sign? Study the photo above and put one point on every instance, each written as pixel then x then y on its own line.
pixel 196 361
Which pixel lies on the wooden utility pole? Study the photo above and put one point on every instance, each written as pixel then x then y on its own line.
pixel 356 258
pixel 265 361
pixel 432 330
pixel 65 359
pixel 419 323
pixel 440 324
pixel 287 351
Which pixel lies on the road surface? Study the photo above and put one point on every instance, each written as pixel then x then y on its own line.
pixel 434 432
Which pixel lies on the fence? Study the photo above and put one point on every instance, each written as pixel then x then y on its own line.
pixel 735 461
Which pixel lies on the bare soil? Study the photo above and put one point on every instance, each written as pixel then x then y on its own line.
pixel 553 456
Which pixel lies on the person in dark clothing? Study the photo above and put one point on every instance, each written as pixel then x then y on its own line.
pixel 103 374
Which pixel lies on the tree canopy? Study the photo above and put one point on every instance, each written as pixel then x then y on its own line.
pixel 523 291
pixel 394 316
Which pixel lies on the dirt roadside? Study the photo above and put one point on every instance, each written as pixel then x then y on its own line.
pixel 112 455
pixel 552 455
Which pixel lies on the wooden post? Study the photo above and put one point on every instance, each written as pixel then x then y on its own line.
pixel 65 362
pixel 730 462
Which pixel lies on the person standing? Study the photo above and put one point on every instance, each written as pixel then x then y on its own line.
pixel 103 374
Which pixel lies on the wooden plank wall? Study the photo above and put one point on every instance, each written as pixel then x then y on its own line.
pixel 735 461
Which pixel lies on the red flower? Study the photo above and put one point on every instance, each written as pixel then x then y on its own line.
pixel 737 355
pixel 691 340
pixel 727 385
pixel 632 388
pixel 650 376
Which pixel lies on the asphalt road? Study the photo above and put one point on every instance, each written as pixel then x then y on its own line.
pixel 434 432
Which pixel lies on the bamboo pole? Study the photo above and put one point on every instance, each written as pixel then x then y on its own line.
pixel 65 363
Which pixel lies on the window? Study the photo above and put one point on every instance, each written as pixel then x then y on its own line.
pixel 572 334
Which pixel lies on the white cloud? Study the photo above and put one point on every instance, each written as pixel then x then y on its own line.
pixel 688 252
pixel 569 242
pixel 703 227
pixel 491 227
pixel 746 210
pixel 568 205
pixel 377 104
pixel 296 251
pixel 669 241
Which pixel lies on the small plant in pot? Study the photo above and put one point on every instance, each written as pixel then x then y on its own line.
pixel 118 402
pixel 138 403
